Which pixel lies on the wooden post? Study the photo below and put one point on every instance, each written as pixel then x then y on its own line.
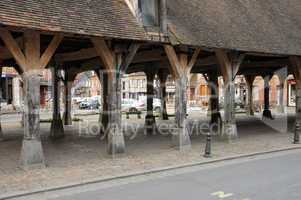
pixel 216 119
pixel 281 94
pixel 249 81
pixel 298 116
pixel 296 66
pixel 229 129
pixel 267 112
pixel 57 128
pixel 1 96
pixel 115 135
pixel 104 114
pixel 229 63
pixel 182 138
pixel 115 66
pixel 6 91
pixel 180 69
pixel 150 120
pixel 31 64
pixel 163 95
pixel 32 152
pixel 68 82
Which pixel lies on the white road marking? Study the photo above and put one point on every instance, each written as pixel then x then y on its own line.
pixel 221 194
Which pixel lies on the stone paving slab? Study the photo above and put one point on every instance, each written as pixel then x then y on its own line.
pixel 80 159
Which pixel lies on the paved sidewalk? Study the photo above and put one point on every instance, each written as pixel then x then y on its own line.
pixel 80 159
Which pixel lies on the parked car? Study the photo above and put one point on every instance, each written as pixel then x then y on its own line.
pixel 131 105
pixel 89 104
pixel 156 104
pixel 78 100
pixel 194 108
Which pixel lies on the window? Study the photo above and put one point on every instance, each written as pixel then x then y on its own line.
pixel 150 12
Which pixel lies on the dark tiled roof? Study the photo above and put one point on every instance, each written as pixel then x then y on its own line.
pixel 268 26
pixel 109 18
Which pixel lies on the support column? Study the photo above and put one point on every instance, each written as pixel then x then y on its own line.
pixel 281 95
pixel 57 128
pixel 229 63
pixel 31 61
pixel 298 116
pixel 115 65
pixel 6 91
pixel 1 96
pixel 267 112
pixel 296 67
pixel 180 69
pixel 150 120
pixel 116 144
pixel 163 95
pixel 181 139
pixel 16 93
pixel 214 102
pixel 68 82
pixel 32 151
pixel 229 126
pixel 103 115
pixel 249 81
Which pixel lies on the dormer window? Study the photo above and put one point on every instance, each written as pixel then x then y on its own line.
pixel 150 12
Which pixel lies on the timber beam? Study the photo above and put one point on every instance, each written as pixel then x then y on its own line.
pixel 57 128
pixel 267 114
pixel 90 54
pixel 31 63
pixel 1 96
pixel 296 68
pixel 216 120
pixel 229 65
pixel 115 64
pixel 249 81
pixel 68 82
pixel 150 120
pixel 116 144
pixel 32 58
pixel 162 75
pixel 180 68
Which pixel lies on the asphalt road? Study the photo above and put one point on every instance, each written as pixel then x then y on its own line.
pixel 272 178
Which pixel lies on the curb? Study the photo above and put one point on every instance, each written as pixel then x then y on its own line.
pixel 141 173
pixel 10 112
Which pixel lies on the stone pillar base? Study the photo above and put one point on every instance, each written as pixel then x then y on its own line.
pixel 32 154
pixel 150 125
pixel 181 139
pixel 57 129
pixel 116 144
pixel 267 114
pixel 229 132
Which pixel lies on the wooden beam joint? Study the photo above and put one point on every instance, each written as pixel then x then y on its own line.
pixel 179 63
pixel 31 58
pixel 229 63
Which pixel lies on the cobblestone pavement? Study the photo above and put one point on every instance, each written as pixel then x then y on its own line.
pixel 79 158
